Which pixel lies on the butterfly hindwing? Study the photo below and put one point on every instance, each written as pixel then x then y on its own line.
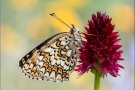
pixel 28 65
pixel 52 60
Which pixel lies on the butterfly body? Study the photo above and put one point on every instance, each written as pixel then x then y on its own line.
pixel 54 59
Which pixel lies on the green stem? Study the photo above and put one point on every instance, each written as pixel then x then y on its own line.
pixel 97 80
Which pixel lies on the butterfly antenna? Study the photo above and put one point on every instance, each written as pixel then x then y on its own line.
pixel 54 15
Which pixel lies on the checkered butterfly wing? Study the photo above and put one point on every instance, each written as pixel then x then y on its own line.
pixel 53 60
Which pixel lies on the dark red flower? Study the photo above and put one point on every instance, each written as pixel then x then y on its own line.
pixel 100 49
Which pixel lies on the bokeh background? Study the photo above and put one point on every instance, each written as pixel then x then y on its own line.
pixel 27 23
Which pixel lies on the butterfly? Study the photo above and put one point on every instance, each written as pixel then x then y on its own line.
pixel 54 59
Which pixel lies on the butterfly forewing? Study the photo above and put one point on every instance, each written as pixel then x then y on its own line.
pixel 53 60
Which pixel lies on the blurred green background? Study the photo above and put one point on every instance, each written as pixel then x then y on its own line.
pixel 27 23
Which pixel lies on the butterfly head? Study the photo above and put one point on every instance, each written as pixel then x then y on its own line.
pixel 74 29
pixel 76 34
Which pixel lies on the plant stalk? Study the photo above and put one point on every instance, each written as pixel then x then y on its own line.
pixel 97 80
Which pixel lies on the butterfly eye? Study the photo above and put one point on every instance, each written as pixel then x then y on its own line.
pixel 74 29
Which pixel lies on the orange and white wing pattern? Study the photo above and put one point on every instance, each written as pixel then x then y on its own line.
pixel 54 59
